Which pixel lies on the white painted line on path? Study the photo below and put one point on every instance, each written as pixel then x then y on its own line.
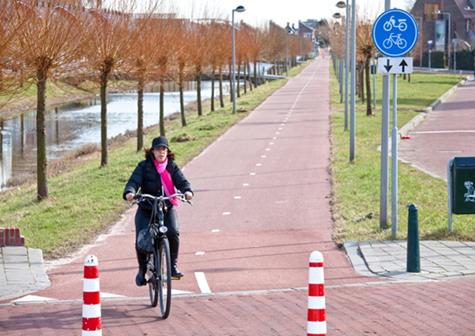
pixel 200 253
pixel 258 164
pixel 263 156
pixel 226 213
pixel 202 283
pixel 252 173
pixel 245 184
pixel 237 197
pixel 444 132
pixel 215 230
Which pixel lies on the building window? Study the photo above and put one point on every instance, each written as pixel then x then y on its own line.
pixel 430 11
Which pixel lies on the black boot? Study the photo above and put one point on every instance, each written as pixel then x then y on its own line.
pixel 140 277
pixel 174 246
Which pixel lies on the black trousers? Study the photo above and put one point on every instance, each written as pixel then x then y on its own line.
pixel 142 218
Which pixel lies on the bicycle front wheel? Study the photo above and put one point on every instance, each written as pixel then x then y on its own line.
pixel 165 278
pixel 153 278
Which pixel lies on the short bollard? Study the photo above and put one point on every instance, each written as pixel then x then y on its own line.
pixel 413 255
pixel 91 308
pixel 316 321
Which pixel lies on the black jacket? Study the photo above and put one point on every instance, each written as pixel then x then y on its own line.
pixel 146 177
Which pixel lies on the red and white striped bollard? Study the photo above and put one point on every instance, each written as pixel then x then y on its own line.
pixel 316 321
pixel 91 308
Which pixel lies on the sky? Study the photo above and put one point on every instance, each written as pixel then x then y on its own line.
pixel 282 11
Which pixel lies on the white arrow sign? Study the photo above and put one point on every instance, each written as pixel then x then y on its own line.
pixel 395 65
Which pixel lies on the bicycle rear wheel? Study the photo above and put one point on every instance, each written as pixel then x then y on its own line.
pixel 153 278
pixel 163 265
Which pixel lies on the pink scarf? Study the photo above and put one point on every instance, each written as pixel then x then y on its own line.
pixel 167 182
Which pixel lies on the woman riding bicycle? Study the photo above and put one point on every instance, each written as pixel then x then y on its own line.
pixel 156 173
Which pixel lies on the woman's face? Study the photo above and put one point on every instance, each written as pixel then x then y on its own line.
pixel 160 153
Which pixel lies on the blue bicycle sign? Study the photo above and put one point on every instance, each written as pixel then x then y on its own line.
pixel 395 32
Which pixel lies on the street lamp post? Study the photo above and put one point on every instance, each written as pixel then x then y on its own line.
pixel 342 4
pixel 238 9
pixel 429 44
pixel 450 36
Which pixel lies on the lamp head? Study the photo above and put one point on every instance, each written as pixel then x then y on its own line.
pixel 239 9
pixel 337 16
pixel 341 4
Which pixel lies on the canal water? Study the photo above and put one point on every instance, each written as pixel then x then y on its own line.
pixel 74 125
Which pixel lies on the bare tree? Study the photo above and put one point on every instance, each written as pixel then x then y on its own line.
pixel 107 49
pixel 50 40
pixel 365 53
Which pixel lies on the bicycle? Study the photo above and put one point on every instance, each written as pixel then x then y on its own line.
pixel 159 262
pixel 395 39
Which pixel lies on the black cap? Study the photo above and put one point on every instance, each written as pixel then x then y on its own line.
pixel 160 141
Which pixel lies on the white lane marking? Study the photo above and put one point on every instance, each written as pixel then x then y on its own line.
pixel 237 197
pixel 283 124
pixel 245 184
pixel 200 253
pixel 226 213
pixel 33 298
pixel 258 164
pixel 271 143
pixel 252 174
pixel 280 128
pixel 274 138
pixel 110 295
pixel 267 149
pixel 215 230
pixel 202 283
pixel 441 132
pixel 263 156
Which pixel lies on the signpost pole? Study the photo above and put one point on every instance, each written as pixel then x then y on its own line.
pixel 383 201
pixel 394 155
pixel 353 80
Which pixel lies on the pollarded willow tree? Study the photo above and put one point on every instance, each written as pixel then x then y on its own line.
pixel 142 64
pixel 109 44
pixel 199 42
pixel 365 52
pixel 50 40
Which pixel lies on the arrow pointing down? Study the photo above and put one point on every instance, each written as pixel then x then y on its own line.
pixel 388 65
pixel 403 64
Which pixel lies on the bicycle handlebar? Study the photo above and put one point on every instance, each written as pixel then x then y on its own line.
pixel 179 196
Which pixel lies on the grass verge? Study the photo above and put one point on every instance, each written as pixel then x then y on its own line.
pixel 356 185
pixel 86 199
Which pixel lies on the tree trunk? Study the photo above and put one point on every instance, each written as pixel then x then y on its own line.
pixel 369 110
pixel 238 89
pixel 198 91
pixel 249 75
pixel 213 71
pixel 244 75
pixel 140 114
pixel 362 83
pixel 255 74
pixel 230 84
pixel 41 160
pixel 182 101
pixel 221 100
pixel 104 81
pixel 162 107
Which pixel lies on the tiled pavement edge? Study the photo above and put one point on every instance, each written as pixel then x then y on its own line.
pixel 22 271
pixel 438 259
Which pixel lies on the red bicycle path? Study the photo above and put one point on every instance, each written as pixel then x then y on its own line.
pixel 261 207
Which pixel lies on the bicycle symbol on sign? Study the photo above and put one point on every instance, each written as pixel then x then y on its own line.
pixel 395 39
pixel 388 25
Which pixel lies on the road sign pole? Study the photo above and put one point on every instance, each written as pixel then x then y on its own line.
pixel 394 138
pixel 347 60
pixel 353 80
pixel 383 200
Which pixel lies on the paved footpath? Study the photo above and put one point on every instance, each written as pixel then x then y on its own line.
pixel 262 205
pixel 447 131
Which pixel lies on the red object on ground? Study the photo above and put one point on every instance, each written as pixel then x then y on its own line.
pixel 91 308
pixel 11 237
pixel 316 320
pixel 405 137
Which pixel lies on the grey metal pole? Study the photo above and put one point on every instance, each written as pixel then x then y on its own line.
pixel 233 74
pixel 455 56
pixel 383 200
pixel 353 80
pixel 449 42
pixel 347 59
pixel 394 156
pixel 449 187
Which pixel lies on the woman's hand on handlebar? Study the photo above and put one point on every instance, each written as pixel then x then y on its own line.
pixel 188 195
pixel 130 196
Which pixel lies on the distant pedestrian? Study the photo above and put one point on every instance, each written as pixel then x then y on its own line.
pixel 155 175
